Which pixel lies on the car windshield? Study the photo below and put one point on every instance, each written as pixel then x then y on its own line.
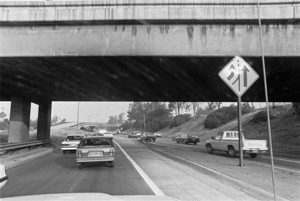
pixel 99 142
pixel 143 100
pixel 98 134
pixel 74 138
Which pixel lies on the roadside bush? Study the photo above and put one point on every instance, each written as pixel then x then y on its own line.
pixel 261 117
pixel 224 115
pixel 220 117
pixel 246 108
pixel 179 120
pixel 200 112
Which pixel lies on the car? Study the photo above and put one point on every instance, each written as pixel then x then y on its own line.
pixel 134 134
pixel 3 176
pixel 71 142
pixel 109 134
pixel 157 134
pixel 187 138
pixel 95 149
pixel 228 141
pixel 98 134
pixel 175 136
pixel 148 137
pixel 138 133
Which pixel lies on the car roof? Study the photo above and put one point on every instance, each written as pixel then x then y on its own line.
pixel 99 137
pixel 76 134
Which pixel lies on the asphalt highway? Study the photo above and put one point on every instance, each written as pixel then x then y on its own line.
pixel 58 173
pixel 175 170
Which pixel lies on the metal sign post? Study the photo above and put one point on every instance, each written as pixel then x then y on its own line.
pixel 239 76
pixel 240 132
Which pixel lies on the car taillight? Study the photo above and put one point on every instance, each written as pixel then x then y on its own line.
pixel 79 153
pixel 112 152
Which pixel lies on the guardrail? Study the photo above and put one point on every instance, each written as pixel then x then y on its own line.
pixel 20 145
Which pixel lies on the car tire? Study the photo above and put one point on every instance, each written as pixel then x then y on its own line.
pixel 209 149
pixel 232 153
pixel 112 164
pixel 253 155
pixel 185 142
pixel 177 141
pixel 64 151
pixel 153 140
pixel 195 143
pixel 80 166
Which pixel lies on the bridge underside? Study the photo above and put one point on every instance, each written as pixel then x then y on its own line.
pixel 46 79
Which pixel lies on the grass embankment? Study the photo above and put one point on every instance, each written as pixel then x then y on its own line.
pixel 285 128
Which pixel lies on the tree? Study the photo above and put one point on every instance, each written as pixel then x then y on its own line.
pixel 55 119
pixel 214 105
pixel 121 118
pixel 195 106
pixel 4 125
pixel 34 123
pixel 178 106
pixel 2 114
pixel 219 104
pixel 113 119
pixel 158 118
pixel 136 114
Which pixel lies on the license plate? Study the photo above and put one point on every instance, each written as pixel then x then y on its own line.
pixel 74 145
pixel 95 154
pixel 254 150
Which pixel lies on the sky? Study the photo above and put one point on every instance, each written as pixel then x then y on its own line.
pixel 88 111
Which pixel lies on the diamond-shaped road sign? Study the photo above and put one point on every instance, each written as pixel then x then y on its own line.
pixel 238 75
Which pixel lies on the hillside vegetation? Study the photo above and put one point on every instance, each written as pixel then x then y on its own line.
pixel 285 127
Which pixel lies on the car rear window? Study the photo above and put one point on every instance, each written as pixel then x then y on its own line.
pixel 73 138
pixel 97 142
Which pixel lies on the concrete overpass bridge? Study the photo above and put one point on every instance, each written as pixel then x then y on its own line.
pixel 154 50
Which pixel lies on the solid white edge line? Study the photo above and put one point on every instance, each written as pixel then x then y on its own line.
pixel 150 183
pixel 282 159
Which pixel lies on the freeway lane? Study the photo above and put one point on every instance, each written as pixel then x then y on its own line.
pixel 282 160
pixel 58 173
pixel 254 173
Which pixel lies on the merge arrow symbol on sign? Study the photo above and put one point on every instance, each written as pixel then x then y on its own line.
pixel 238 78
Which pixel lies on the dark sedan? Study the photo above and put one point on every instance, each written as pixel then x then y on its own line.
pixel 187 138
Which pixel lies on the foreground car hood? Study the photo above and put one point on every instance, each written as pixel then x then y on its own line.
pixel 88 197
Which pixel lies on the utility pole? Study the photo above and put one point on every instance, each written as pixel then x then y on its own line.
pixel 77 115
pixel 144 116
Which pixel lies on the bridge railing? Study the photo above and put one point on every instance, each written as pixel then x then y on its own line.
pixel 20 145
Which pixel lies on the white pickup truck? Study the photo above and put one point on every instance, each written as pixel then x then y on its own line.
pixel 228 141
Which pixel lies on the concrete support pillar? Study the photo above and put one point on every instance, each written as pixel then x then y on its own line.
pixel 19 120
pixel 44 121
